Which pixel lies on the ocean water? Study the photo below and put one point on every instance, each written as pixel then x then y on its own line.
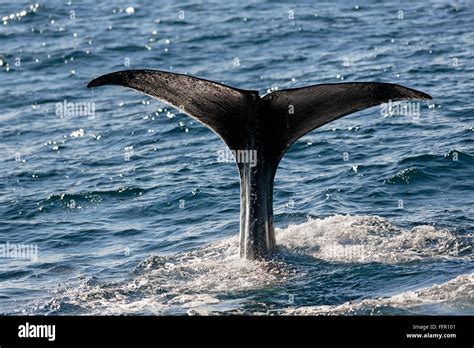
pixel 132 213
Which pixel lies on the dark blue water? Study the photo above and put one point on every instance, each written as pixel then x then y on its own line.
pixel 132 213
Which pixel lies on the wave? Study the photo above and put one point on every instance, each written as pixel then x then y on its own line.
pixel 447 158
pixel 183 283
pixel 94 197
pixel 427 167
pixel 408 176
pixel 456 293
pixel 347 238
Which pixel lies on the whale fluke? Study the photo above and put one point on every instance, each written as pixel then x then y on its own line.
pixel 219 107
pixel 264 127
pixel 308 108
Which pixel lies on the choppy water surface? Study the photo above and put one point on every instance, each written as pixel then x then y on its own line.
pixel 132 213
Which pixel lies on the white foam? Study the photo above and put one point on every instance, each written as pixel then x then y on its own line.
pixel 457 293
pixel 347 238
pixel 193 282
pixel 187 282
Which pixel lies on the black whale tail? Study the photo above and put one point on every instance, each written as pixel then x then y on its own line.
pixel 264 126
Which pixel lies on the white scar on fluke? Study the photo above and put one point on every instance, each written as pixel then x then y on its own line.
pixel 268 125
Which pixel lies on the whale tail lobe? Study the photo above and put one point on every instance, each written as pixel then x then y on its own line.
pixel 219 107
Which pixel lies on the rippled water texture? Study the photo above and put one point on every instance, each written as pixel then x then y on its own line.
pixel 132 212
